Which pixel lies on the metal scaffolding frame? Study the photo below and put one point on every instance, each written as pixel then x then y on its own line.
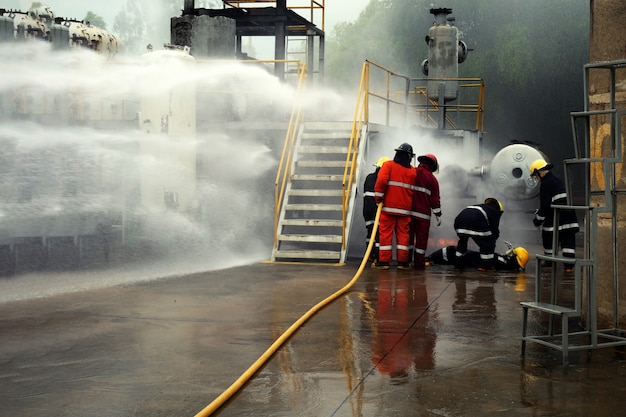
pixel 275 18
pixel 596 203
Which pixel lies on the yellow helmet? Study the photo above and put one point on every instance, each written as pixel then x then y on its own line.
pixel 491 200
pixel 539 165
pixel 522 256
pixel 381 161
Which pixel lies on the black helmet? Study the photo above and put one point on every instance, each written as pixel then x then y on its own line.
pixel 405 147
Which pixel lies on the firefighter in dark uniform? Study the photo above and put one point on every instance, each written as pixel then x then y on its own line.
pixel 370 207
pixel 514 259
pixel 481 223
pixel 552 191
pixel 394 188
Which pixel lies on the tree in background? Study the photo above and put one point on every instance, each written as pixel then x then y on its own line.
pixel 531 55
pixel 385 32
pixel 131 26
pixel 95 20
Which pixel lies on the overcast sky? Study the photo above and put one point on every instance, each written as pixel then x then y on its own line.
pixel 335 10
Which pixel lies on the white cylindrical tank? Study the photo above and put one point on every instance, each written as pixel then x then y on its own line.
pixel 443 56
pixel 510 174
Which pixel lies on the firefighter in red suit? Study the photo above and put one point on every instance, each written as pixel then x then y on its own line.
pixel 426 201
pixel 394 188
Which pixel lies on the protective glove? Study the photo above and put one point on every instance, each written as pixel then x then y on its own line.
pixel 379 200
pixel 438 219
pixel 537 222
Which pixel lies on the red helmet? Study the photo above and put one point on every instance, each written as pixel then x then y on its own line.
pixel 430 160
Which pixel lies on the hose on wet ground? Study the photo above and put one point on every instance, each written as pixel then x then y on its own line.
pixel 267 355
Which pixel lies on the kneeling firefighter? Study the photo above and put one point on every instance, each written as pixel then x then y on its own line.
pixel 481 223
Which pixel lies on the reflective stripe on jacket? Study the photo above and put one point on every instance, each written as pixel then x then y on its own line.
pixel 395 184
pixel 479 220
pixel 552 191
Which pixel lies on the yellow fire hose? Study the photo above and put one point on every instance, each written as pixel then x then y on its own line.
pixel 249 373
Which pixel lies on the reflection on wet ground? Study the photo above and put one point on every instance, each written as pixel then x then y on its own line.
pixel 401 343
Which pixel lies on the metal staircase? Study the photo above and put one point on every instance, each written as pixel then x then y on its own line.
pixel 597 203
pixel 317 210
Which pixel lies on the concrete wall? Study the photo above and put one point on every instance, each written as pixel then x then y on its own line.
pixel 607 43
pixel 208 37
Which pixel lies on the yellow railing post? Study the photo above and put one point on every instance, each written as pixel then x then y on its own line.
pixel 349 173
pixel 284 166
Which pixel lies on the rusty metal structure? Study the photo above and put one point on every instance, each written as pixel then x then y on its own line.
pixel 282 19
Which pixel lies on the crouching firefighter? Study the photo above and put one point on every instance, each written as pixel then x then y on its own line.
pixel 481 223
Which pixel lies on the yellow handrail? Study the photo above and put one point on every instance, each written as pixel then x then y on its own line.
pixel 410 95
pixel 284 165
pixel 349 172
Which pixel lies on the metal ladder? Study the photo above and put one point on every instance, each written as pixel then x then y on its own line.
pixel 297 50
pixel 596 203
pixel 311 224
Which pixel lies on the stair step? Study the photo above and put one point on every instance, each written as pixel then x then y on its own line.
pixel 320 160
pixel 310 238
pixel 322 164
pixel 323 149
pixel 551 308
pixel 327 126
pixel 312 222
pixel 331 135
pixel 315 193
pixel 314 207
pixel 307 254
pixel 316 177
pixel 562 259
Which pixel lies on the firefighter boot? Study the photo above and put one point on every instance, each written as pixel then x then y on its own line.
pixel 403 266
pixel 380 265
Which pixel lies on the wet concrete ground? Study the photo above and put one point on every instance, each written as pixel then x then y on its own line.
pixel 401 343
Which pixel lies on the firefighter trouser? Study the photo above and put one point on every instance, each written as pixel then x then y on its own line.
pixel 388 225
pixel 374 253
pixel 567 241
pixel 486 245
pixel 419 238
